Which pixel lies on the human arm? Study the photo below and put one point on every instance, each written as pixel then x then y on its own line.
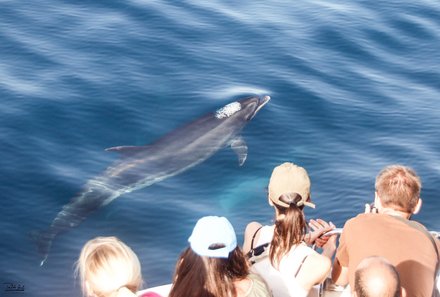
pixel 329 248
pixel 316 267
pixel 318 228
pixel 340 264
pixel 314 270
pixel 249 232
pixel 339 273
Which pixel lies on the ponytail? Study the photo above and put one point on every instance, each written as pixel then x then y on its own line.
pixel 290 227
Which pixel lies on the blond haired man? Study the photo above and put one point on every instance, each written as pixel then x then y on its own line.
pixel 389 233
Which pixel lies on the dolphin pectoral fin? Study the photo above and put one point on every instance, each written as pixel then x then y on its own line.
pixel 126 150
pixel 240 148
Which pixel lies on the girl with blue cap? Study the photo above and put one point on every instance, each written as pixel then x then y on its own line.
pixel 214 266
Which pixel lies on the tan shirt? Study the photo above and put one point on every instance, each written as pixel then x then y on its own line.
pixel 258 287
pixel 408 249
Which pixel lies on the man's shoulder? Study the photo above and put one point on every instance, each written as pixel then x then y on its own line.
pixel 384 222
pixel 372 217
pixel 363 218
pixel 371 220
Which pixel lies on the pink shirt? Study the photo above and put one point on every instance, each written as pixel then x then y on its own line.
pixel 150 294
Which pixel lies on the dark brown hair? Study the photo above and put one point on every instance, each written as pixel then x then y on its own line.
pixel 290 227
pixel 197 276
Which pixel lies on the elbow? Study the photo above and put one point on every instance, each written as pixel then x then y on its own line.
pixel 339 274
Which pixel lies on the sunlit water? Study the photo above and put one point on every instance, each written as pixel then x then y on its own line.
pixel 354 87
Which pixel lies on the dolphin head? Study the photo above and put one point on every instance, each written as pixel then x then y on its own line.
pixel 244 109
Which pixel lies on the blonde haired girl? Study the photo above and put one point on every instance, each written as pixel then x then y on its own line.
pixel 107 267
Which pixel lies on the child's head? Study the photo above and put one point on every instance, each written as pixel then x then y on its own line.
pixel 212 263
pixel 106 265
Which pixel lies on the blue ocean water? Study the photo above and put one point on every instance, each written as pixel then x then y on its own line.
pixel 355 86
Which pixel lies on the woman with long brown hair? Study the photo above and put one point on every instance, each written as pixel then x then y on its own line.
pixel 291 267
pixel 214 266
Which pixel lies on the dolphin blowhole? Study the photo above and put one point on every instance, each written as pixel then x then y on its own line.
pixel 228 110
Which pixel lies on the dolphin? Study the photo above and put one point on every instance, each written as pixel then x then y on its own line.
pixel 142 166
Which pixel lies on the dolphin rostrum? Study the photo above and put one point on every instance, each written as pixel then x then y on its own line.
pixel 142 166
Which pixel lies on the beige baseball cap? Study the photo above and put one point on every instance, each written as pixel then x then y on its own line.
pixel 289 178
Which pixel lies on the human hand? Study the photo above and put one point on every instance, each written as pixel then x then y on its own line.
pixel 321 241
pixel 367 207
pixel 318 227
pixel 370 208
pixel 329 247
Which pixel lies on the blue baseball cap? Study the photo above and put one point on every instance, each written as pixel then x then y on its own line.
pixel 214 237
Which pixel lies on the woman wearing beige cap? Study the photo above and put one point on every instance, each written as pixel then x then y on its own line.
pixel 291 268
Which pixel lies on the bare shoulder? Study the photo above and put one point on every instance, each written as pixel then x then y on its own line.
pixel 252 227
pixel 249 232
pixel 318 260
pixel 314 270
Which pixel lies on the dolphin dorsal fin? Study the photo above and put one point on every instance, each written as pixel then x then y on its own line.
pixel 239 146
pixel 126 150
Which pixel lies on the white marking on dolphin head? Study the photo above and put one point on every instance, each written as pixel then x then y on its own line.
pixel 228 110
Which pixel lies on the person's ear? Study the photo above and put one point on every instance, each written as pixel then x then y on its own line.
pixel 418 206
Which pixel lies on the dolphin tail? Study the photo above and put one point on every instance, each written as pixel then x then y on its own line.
pixel 43 240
